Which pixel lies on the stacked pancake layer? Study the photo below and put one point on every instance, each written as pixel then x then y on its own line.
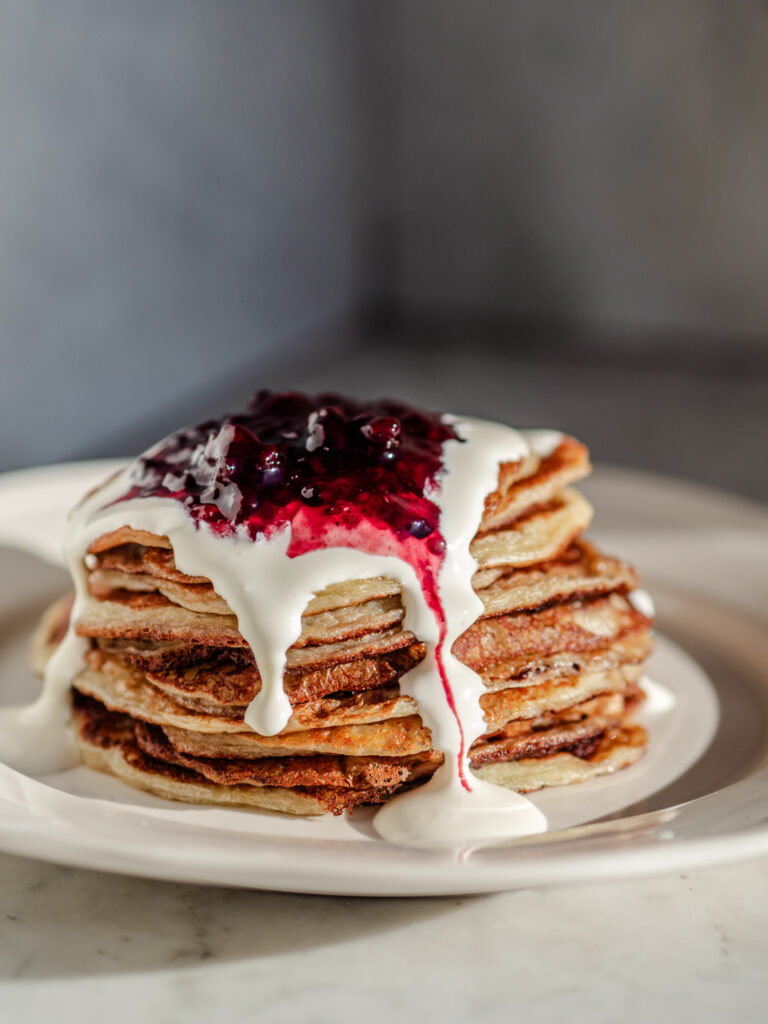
pixel 167 677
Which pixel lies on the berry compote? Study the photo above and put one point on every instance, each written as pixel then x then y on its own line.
pixel 325 460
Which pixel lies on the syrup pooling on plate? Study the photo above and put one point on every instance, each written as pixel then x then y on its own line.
pixel 275 503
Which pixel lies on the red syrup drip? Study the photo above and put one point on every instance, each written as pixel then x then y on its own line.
pixel 341 473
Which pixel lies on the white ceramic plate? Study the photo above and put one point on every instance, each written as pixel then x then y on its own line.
pixel 700 796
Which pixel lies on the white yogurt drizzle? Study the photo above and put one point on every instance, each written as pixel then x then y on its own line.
pixel 268 591
pixel 642 602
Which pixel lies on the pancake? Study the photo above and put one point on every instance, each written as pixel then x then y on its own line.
pixel 161 696
pixel 580 570
pixel 128 690
pixel 142 757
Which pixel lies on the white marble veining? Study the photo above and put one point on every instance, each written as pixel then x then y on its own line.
pixel 78 945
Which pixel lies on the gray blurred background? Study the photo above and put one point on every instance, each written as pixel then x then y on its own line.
pixel 544 211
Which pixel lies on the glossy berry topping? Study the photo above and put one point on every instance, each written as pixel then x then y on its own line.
pixel 329 461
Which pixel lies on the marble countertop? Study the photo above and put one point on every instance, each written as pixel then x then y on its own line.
pixel 80 946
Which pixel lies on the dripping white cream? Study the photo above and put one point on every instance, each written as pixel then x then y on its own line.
pixel 442 811
pixel 268 591
pixel 642 602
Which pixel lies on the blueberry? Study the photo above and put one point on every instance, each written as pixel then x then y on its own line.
pixel 420 529
pixel 272 476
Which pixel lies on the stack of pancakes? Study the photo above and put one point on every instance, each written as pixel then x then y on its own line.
pixel 167 677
